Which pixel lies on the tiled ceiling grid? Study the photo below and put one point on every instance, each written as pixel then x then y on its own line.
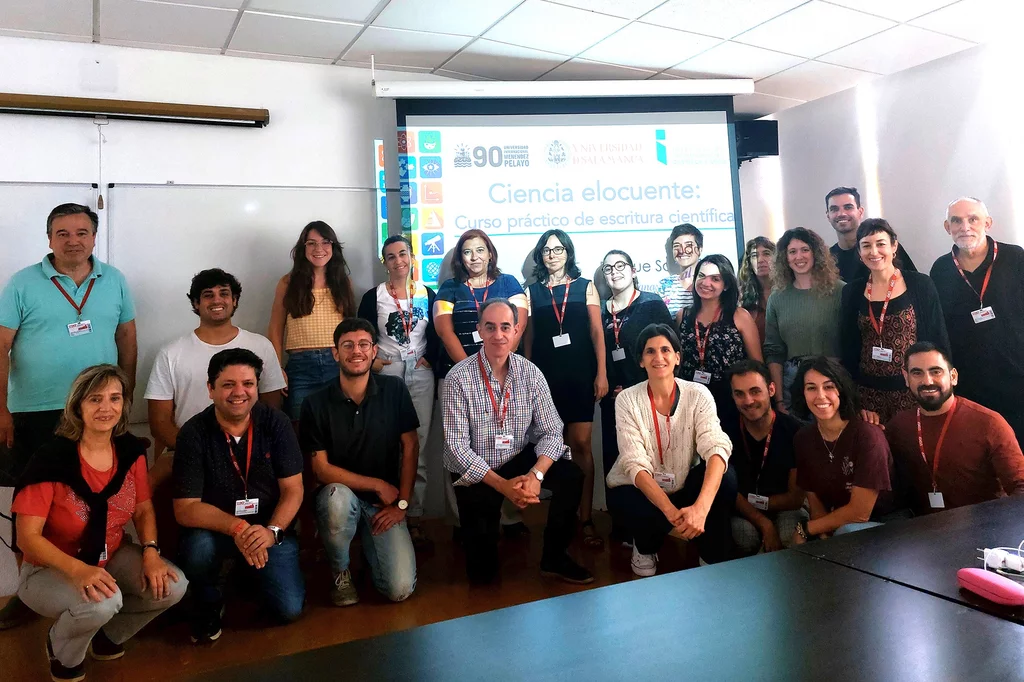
pixel 795 50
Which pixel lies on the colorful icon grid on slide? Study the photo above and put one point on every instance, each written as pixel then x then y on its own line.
pixel 421 193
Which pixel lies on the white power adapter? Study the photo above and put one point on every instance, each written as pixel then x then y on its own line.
pixel 1003 558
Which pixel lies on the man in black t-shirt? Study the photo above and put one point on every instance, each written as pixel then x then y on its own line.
pixel 844 212
pixel 768 501
pixel 361 433
pixel 237 487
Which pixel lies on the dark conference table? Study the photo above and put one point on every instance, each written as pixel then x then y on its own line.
pixel 781 616
pixel 926 552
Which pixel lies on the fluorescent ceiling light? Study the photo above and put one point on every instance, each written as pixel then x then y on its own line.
pixel 541 89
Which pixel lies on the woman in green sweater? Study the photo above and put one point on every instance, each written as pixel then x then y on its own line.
pixel 803 310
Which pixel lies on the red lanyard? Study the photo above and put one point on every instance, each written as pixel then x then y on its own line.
pixel 78 308
pixel 565 299
pixel 472 291
pixel 885 306
pixel 702 343
pixel 615 320
pixel 248 457
pixel 506 399
pixel 988 274
pixel 407 323
pixel 767 444
pixel 668 423
pixel 938 443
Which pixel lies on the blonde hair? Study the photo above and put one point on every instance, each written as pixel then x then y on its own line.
pixel 89 381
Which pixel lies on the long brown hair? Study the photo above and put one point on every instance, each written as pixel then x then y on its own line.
pixel 750 286
pixel 298 297
pixel 459 268
pixel 824 273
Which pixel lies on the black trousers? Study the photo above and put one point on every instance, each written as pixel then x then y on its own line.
pixel 649 526
pixel 480 513
pixel 32 430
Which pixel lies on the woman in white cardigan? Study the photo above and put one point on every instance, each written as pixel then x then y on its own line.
pixel 672 471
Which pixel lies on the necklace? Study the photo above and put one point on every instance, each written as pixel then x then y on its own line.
pixel 831 450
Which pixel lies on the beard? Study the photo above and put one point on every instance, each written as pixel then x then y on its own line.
pixel 932 403
pixel 351 374
pixel 969 241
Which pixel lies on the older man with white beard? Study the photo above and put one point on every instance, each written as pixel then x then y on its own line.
pixel 980 283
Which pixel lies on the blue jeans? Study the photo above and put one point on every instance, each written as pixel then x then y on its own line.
pixel 420 383
pixel 854 527
pixel 390 555
pixel 307 371
pixel 202 553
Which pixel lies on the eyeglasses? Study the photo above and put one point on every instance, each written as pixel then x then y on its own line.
pixel 555 251
pixel 617 267
pixel 363 346
pixel 324 244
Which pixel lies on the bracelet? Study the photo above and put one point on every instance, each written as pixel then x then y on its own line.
pixel 238 528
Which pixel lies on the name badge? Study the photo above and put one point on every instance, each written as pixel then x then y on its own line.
pixel 562 340
pixel 477 338
pixel 103 554
pixel 983 315
pixel 758 501
pixel 80 328
pixel 935 501
pixel 881 354
pixel 618 354
pixel 502 442
pixel 664 479
pixel 702 377
pixel 247 507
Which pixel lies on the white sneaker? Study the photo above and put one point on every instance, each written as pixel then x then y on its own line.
pixel 644 565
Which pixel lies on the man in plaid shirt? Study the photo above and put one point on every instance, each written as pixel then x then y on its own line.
pixel 503 439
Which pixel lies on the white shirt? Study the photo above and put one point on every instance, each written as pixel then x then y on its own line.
pixel 392 340
pixel 181 368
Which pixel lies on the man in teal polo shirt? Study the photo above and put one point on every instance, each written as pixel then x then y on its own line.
pixel 58 317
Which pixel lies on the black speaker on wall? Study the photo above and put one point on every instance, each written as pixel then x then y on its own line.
pixel 756 138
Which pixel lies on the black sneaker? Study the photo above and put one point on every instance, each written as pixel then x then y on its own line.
pixel 515 530
pixel 102 649
pixel 567 570
pixel 15 613
pixel 206 627
pixel 58 671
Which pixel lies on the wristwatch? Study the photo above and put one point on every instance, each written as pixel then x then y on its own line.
pixel 278 534
pixel 538 473
pixel 151 543
pixel 403 504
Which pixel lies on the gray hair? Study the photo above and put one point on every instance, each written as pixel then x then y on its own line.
pixel 72 209
pixel 973 200
pixel 493 301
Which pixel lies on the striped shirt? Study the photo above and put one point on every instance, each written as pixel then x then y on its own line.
pixel 676 297
pixel 470 425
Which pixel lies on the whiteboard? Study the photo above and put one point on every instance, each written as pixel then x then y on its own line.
pixel 162 235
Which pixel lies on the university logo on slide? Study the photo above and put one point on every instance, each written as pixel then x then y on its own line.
pixel 431 270
pixel 462 157
pixel 659 143
pixel 557 156
pixel 407 167
pixel 432 243
pixel 430 167
pixel 408 193
pixel 433 218
pixel 430 141
pixel 410 219
pixel 432 193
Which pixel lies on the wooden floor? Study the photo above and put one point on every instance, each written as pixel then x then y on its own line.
pixel 163 651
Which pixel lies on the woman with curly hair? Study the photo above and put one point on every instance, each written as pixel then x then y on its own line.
pixel 755 279
pixel 309 303
pixel 802 317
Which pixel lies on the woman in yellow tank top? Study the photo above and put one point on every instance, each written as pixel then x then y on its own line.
pixel 309 303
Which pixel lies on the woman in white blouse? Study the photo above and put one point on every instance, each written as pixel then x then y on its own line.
pixel 672 471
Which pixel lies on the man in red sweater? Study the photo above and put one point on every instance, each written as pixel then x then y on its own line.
pixel 949 451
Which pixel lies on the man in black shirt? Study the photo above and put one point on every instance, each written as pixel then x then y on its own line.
pixel 981 289
pixel 237 487
pixel 768 501
pixel 361 432
pixel 843 210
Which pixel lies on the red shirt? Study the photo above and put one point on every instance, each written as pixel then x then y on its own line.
pixel 66 513
pixel 860 458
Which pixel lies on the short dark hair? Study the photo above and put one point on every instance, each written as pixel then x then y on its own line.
pixel 677 232
pixel 849 401
pixel 629 261
pixel 653 331
pixel 540 271
pixel 852 191
pixel 459 268
pixel 748 366
pixel 72 209
pixel 925 347
pixel 730 297
pixel 208 279
pixel 394 239
pixel 502 301
pixel 876 226
pixel 354 324
pixel 233 356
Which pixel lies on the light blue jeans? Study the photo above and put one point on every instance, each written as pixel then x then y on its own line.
pixel 390 555
pixel 420 383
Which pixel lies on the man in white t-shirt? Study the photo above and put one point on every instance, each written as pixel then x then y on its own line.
pixel 177 387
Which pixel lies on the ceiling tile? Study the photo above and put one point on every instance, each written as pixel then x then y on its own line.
pixel 161 46
pixel 812 80
pixel 280 57
pixel 503 62
pixel 758 104
pixel 553 28
pixel 586 70
pixel 347 10
pixel 721 18
pixel 386 67
pixel 667 76
pixel 223 4
pixel 152 22
pixel 49 16
pixel 277 34
pixel 460 76
pixel 901 47
pixel 901 10
pixel 814 29
pixel 462 17
pixel 649 47
pixel 40 35
pixel 732 60
pixel 977 20
pixel 627 9
pixel 407 48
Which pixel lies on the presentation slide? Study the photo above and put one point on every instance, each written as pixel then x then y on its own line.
pixel 611 181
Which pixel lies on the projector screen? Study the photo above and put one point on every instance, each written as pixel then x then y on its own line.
pixel 611 181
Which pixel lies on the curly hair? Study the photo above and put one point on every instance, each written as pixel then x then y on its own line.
pixel 824 273
pixel 750 286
